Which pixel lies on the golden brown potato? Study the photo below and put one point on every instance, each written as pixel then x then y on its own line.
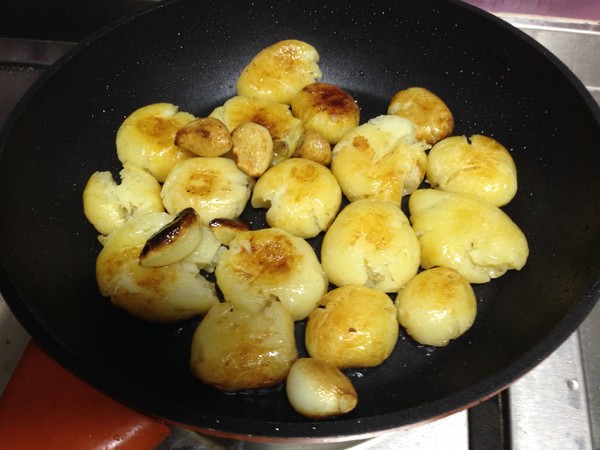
pixel 225 230
pixel 459 231
pixel 206 136
pixel 146 138
pixel 353 326
pixel 277 72
pixel 157 294
pixel 381 159
pixel 371 243
pixel 315 147
pixel 326 108
pixel 478 166
pixel 234 349
pixel 269 264
pixel 214 187
pixel 436 306
pixel 252 148
pixel 432 116
pixel 302 196
pixel 317 389
pixel 108 205
pixel 286 130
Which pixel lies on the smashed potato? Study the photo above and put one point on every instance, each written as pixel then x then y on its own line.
pixel 353 326
pixel 302 197
pixel 279 71
pixel 234 348
pixel 472 236
pixel 317 389
pixel 270 264
pixel 326 108
pixel 370 243
pixel 437 305
pixel 381 159
pixel 214 187
pixel 430 114
pixel 108 205
pixel 478 166
pixel 146 138
pixel 157 294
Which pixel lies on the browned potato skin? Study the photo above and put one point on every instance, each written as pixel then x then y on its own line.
pixel 326 108
pixel 436 306
pixel 204 137
pixel 353 326
pixel 270 263
pixel 164 294
pixel 225 230
pixel 315 147
pixel 478 166
pixel 146 138
pixel 277 72
pixel 235 349
pixel 432 116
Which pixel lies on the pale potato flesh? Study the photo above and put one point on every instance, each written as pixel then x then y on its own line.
pixel 206 255
pixel 474 237
pixel 214 187
pixel 371 243
pixel 108 205
pixel 302 197
pixel 146 138
pixel 478 166
pixel 437 305
pixel 157 294
pixel 269 264
pixel 234 348
pixel 279 71
pixel 381 159
pixel 353 326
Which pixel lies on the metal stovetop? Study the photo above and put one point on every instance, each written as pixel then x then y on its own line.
pixel 555 406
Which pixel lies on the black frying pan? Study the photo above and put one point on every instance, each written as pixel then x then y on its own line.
pixel 495 79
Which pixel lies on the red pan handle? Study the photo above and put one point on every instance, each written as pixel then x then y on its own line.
pixel 45 406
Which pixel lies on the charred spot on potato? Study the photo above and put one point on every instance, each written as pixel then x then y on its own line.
pixel 329 97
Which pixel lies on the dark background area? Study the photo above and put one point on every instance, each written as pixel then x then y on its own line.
pixel 62 20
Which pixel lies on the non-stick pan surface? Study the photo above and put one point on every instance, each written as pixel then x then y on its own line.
pixel 497 82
